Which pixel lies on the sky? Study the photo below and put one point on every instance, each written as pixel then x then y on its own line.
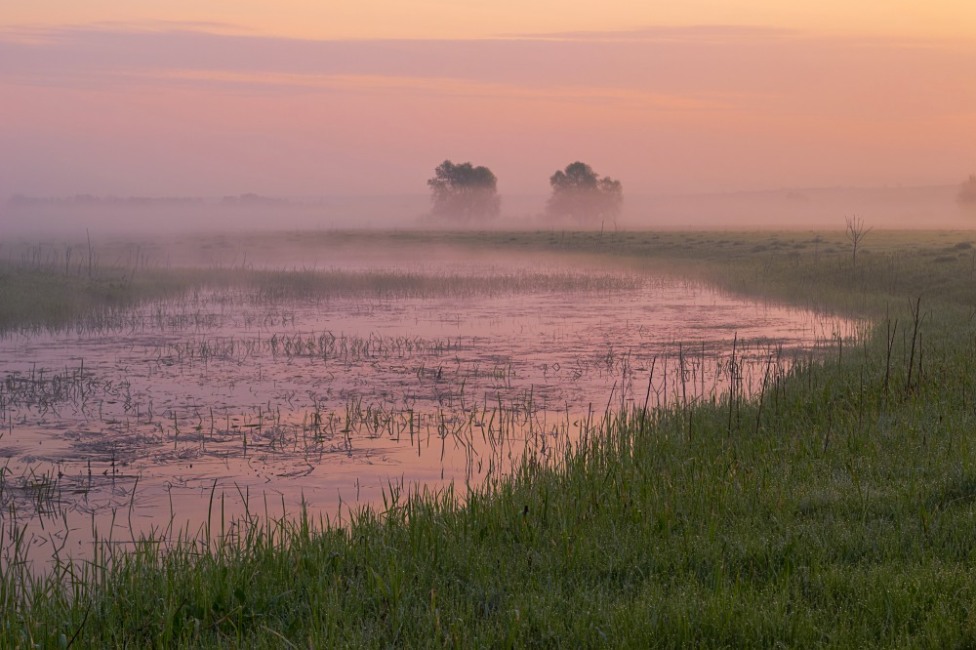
pixel 367 97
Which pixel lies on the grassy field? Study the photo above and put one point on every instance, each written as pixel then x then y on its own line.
pixel 837 508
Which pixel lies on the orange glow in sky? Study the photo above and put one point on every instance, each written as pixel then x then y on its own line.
pixel 490 18
pixel 317 98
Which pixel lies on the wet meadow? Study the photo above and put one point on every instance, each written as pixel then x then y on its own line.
pixel 530 438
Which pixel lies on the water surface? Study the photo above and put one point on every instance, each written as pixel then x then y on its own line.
pixel 226 402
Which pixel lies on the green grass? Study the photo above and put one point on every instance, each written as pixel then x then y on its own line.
pixel 837 509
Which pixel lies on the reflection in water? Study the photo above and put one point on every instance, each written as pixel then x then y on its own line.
pixel 221 404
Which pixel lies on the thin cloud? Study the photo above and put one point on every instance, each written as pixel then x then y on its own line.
pixel 32 34
pixel 441 86
pixel 715 106
pixel 682 62
pixel 709 33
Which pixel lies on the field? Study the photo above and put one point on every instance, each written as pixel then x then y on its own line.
pixel 824 501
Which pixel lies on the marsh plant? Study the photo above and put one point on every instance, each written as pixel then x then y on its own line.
pixel 815 497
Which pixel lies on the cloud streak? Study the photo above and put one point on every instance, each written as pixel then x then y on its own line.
pixel 712 104
pixel 698 56
pixel 694 64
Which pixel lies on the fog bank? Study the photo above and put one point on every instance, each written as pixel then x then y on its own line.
pixel 823 208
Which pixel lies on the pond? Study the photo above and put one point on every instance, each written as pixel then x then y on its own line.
pixel 264 399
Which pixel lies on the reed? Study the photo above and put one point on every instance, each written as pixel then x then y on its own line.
pixel 835 508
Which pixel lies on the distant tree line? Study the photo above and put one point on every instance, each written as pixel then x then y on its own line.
pixel 83 200
pixel 22 201
pixel 468 194
pixel 251 199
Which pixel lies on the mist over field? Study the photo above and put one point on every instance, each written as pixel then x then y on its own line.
pixel 818 208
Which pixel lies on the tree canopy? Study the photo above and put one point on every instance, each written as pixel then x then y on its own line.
pixel 464 192
pixel 579 194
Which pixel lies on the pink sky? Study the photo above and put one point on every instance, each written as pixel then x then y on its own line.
pixel 189 98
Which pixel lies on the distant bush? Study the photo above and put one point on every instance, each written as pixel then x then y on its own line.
pixel 967 191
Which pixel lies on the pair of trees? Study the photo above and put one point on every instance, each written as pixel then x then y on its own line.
pixel 469 193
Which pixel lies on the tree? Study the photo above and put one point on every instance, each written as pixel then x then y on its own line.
pixel 856 232
pixel 967 191
pixel 464 192
pixel 580 195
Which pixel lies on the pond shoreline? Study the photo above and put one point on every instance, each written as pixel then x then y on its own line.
pixel 316 389
pixel 737 521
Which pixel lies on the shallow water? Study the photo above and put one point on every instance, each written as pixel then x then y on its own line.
pixel 184 412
